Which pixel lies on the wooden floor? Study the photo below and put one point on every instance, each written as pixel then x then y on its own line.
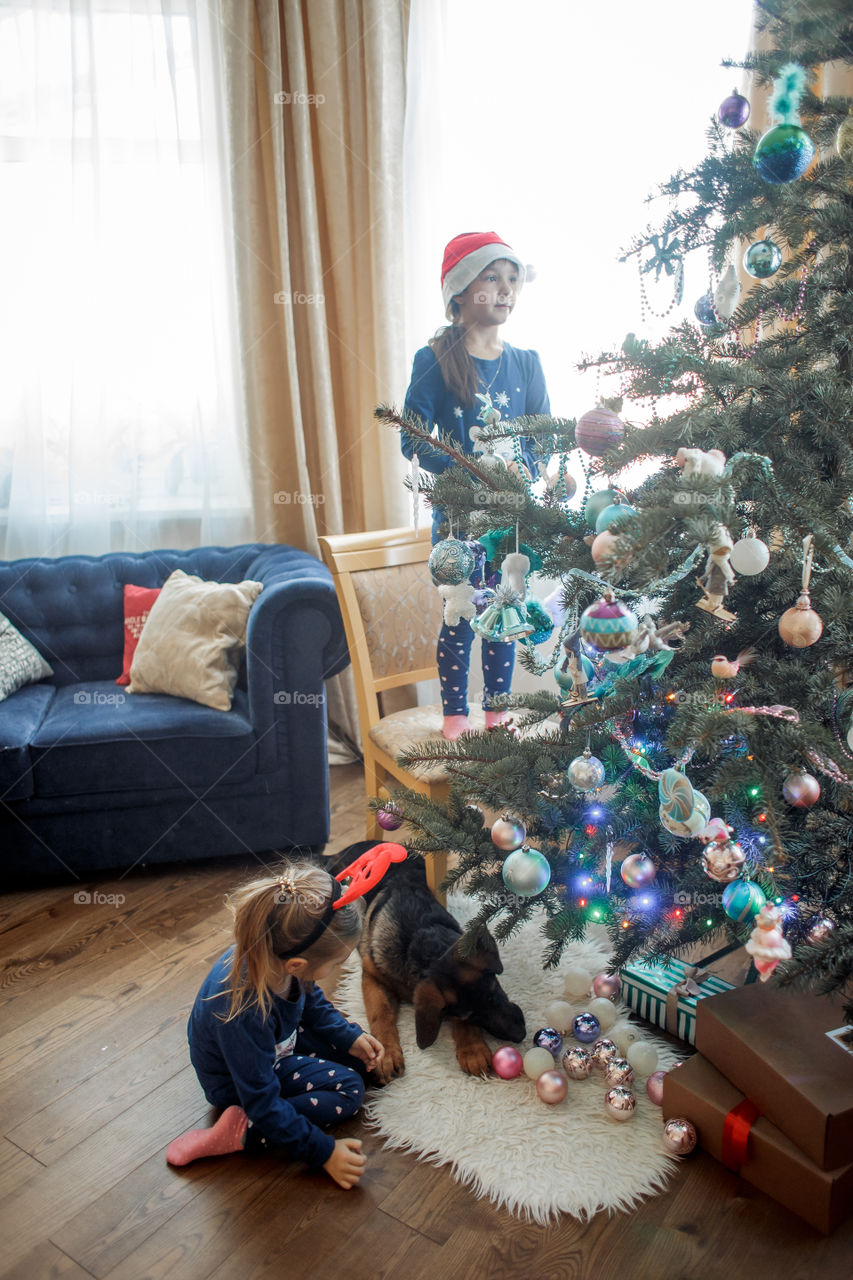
pixel 95 1081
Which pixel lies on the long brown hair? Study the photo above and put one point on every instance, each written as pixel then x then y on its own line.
pixel 267 921
pixel 457 367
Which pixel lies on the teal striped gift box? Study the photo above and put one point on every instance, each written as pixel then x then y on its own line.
pixel 650 990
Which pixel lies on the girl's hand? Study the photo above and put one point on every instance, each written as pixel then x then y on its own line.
pixel 368 1049
pixel 346 1163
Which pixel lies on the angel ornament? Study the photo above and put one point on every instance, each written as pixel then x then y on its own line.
pixel 650 638
pixel 718 576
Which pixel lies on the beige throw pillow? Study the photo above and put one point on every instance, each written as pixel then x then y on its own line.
pixel 191 643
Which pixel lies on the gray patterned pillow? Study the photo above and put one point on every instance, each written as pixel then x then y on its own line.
pixel 20 663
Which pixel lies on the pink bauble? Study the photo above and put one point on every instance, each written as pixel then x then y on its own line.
pixel 679 1136
pixel 606 985
pixel 603 547
pixel 801 790
pixel 801 625
pixel 507 1062
pixel 654 1087
pixel 552 1087
pixel 599 431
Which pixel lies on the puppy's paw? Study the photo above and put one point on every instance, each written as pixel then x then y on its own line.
pixel 391 1065
pixel 474 1058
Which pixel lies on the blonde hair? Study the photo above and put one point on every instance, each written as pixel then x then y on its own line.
pixel 271 915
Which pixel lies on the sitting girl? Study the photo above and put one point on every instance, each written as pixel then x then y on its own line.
pixel 266 1044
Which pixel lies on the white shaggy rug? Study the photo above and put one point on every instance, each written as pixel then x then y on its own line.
pixel 502 1141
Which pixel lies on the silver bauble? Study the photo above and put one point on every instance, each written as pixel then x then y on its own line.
pixel 586 772
pixel 508 833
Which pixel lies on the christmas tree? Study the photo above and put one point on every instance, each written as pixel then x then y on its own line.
pixel 697 781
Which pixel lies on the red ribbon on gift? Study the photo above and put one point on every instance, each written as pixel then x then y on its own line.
pixel 736 1128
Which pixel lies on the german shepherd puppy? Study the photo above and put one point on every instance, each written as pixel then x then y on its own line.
pixel 410 951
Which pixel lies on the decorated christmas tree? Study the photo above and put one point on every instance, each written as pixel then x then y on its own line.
pixel 685 773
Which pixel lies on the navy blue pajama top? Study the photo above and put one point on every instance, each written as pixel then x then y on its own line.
pixel 235 1061
pixel 518 390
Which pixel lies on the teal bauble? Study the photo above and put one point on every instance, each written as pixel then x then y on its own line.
pixel 611 513
pixel 762 259
pixel 742 899
pixel 783 153
pixel 526 872
pixel 608 625
pixel 451 562
pixel 595 504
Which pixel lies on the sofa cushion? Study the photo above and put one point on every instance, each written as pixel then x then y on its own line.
pixel 96 737
pixel 20 662
pixel 137 606
pixel 192 642
pixel 20 716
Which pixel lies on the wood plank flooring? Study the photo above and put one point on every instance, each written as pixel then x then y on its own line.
pixel 95 1080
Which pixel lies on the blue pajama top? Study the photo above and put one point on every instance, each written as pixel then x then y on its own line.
pixel 235 1061
pixel 519 389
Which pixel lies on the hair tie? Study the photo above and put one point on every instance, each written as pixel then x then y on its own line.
pixel 286 890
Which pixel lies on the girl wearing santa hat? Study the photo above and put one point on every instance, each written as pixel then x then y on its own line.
pixel 481 278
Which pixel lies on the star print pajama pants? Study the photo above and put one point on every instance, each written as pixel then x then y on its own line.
pixel 317 1084
pixel 453 654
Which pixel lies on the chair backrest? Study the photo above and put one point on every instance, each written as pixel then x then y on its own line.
pixel 392 612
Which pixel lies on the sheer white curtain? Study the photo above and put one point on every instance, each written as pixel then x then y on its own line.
pixel 550 122
pixel 121 410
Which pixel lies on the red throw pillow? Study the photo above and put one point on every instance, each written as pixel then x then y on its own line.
pixel 137 606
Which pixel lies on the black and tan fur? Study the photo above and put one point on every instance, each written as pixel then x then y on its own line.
pixel 410 952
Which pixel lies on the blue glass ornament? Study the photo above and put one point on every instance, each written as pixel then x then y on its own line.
pixel 451 562
pixel 704 310
pixel 586 1028
pixel 548 1038
pixel 734 111
pixel 783 154
pixel 611 513
pixel 762 259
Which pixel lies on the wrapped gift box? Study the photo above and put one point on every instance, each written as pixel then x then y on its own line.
pixel 666 992
pixel 758 1151
pixel 776 1046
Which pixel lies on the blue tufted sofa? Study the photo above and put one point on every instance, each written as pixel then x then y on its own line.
pixel 94 778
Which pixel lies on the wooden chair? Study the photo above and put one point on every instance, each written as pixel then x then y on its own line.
pixel 392 615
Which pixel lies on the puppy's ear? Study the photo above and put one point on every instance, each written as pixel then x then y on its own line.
pixel 484 955
pixel 429 1006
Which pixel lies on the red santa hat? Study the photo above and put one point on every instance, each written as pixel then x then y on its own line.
pixel 469 254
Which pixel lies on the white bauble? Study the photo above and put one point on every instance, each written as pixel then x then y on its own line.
pixel 624 1036
pixel 559 1015
pixel 605 1011
pixel 749 556
pixel 643 1057
pixel 536 1061
pixel 577 982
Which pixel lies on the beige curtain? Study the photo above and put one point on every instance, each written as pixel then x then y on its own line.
pixel 314 107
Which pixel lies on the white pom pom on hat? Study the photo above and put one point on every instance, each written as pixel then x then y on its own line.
pixel 470 253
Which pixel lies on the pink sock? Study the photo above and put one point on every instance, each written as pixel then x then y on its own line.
pixel 225 1136
pixel 494 718
pixel 454 725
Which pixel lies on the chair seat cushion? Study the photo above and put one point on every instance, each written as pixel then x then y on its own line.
pixel 20 716
pixel 96 738
pixel 397 732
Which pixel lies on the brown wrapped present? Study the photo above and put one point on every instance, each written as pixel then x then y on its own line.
pixel 776 1047
pixel 729 1129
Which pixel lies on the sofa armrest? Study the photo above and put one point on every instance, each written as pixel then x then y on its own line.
pixel 294 643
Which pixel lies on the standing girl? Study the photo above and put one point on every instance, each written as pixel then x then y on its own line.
pixel 266 1044
pixel 481 278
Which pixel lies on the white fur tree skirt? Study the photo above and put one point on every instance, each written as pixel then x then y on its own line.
pixel 500 1139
